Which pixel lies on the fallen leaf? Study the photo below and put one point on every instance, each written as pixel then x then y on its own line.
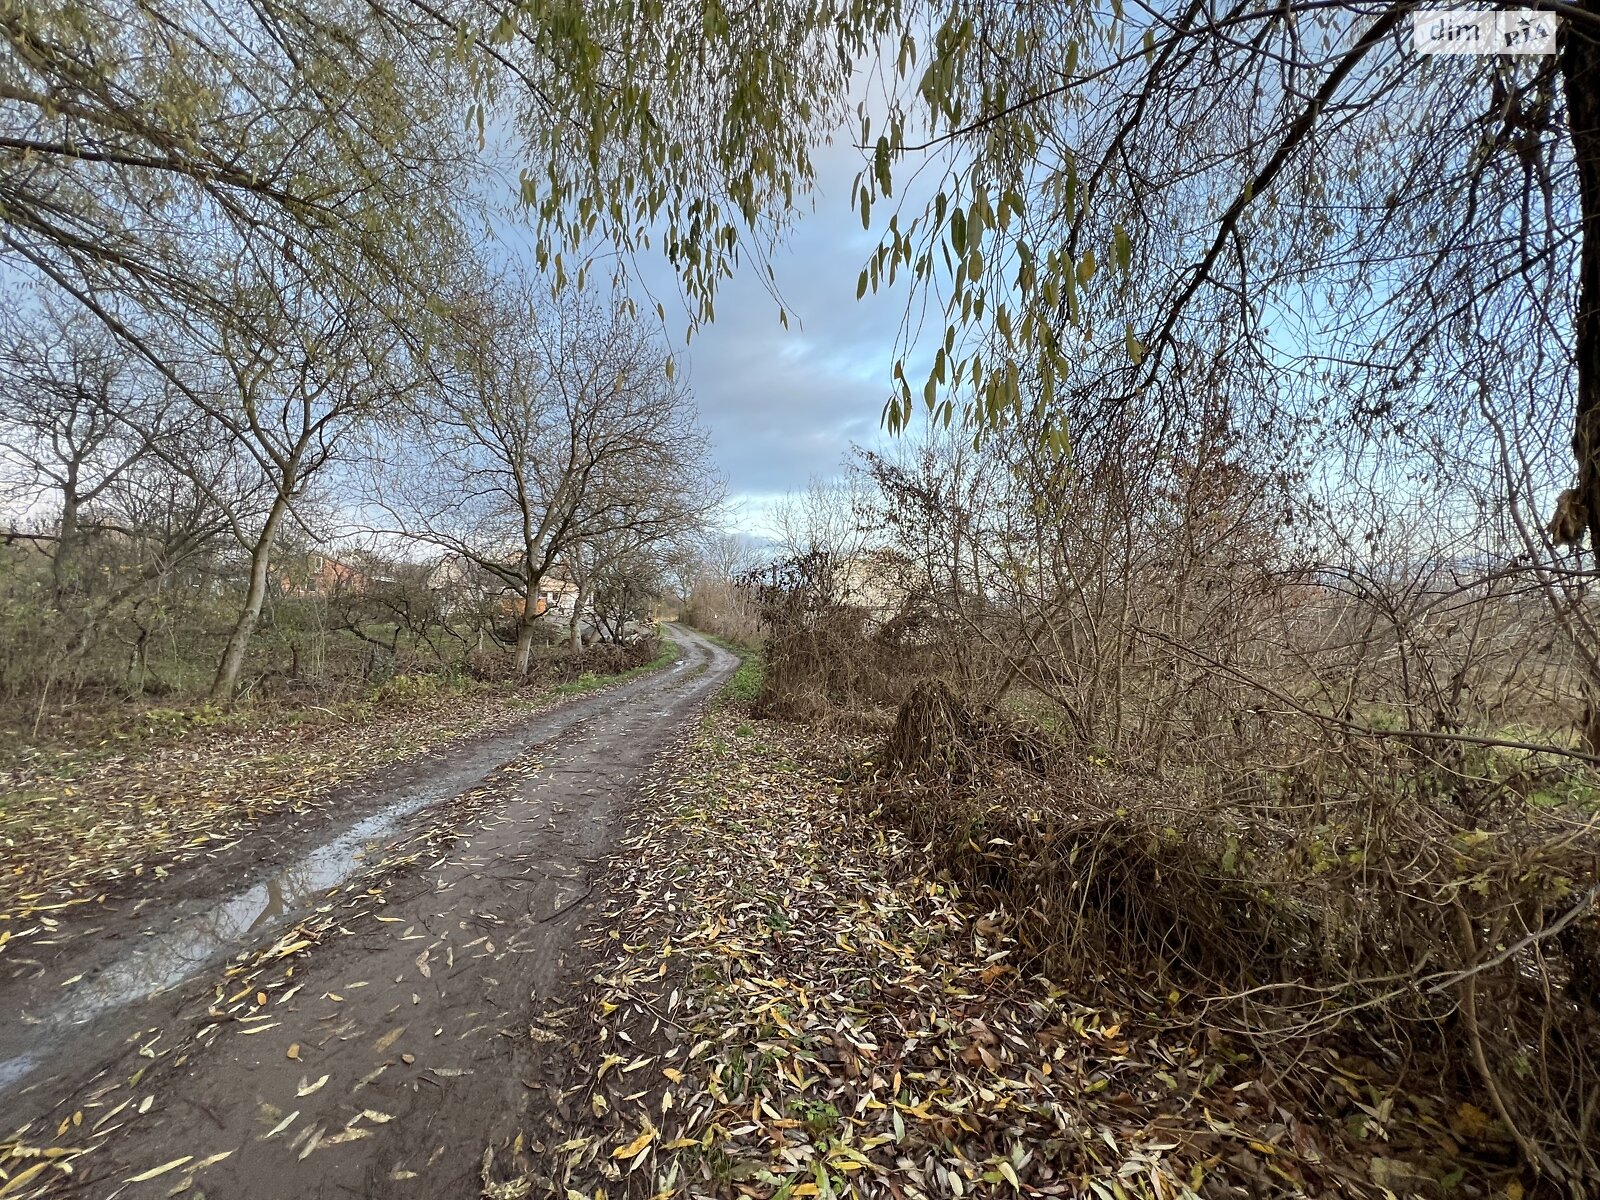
pixel 636 1146
pixel 282 1125
pixel 161 1170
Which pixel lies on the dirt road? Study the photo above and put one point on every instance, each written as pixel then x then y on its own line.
pixel 193 1030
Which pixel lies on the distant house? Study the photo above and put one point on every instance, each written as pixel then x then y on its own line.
pixel 319 575
pixel 875 582
pixel 461 585
pixel 558 593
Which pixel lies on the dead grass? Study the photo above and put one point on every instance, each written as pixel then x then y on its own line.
pixel 1381 923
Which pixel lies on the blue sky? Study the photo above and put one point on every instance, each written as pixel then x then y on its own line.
pixel 785 405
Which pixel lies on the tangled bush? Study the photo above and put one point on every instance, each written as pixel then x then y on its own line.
pixel 564 665
pixel 1373 915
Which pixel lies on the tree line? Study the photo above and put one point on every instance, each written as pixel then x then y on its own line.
pixel 246 300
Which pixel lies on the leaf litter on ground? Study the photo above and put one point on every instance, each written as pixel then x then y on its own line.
pixel 785 1008
pixel 74 826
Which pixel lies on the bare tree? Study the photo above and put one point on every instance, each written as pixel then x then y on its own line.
pixel 286 380
pixel 543 428
pixel 66 389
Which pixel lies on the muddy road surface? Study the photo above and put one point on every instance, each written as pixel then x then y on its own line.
pixel 339 1007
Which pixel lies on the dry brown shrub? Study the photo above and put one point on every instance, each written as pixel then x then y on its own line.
pixel 565 666
pixel 1368 916
pixel 933 728
pixel 816 669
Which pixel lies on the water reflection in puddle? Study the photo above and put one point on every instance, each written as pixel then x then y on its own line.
pixel 166 958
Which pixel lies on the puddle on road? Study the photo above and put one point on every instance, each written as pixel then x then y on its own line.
pixel 166 958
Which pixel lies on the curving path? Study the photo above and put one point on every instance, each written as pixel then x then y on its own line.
pixel 394 1061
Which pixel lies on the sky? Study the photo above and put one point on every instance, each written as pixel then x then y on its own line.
pixel 784 406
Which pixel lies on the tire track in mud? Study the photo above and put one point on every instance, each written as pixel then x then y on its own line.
pixel 380 1059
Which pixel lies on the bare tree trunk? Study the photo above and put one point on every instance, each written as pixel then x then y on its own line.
pixel 139 662
pixel 574 638
pixel 222 687
pixel 573 626
pixel 66 543
pixel 1580 70
pixel 524 645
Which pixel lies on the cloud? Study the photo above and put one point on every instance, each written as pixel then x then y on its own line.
pixel 785 405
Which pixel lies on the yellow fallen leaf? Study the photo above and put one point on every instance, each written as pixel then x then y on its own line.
pixel 673 1074
pixel 161 1170
pixel 293 1051
pixel 282 1125
pixel 636 1146
pixel 261 997
pixel 388 1039
pixel 16 1182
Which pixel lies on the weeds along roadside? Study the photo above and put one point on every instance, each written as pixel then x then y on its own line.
pixel 792 999
pixel 1373 914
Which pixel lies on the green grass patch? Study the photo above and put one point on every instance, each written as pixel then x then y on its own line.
pixel 742 689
